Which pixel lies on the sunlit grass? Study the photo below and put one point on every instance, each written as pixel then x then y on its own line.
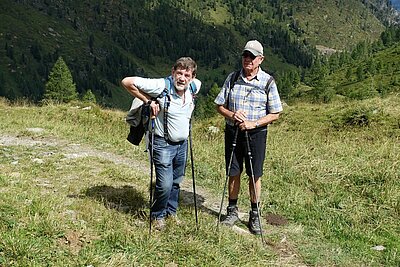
pixel 337 183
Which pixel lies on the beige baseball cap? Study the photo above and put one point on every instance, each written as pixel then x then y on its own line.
pixel 254 47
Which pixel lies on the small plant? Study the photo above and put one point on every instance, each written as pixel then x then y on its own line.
pixel 89 97
pixel 354 117
pixel 358 117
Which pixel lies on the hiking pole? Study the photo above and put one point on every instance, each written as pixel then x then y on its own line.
pixel 254 182
pixel 227 173
pixel 194 184
pixel 151 170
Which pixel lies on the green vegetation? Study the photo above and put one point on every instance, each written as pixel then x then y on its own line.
pixel 102 41
pixel 89 97
pixel 369 70
pixel 351 22
pixel 74 192
pixel 60 87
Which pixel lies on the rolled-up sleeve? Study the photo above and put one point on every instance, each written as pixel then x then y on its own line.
pixel 221 97
pixel 274 104
pixel 153 87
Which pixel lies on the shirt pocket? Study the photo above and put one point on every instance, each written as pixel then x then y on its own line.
pixel 258 98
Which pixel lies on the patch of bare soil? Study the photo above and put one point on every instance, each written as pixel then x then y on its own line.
pixel 275 219
pixel 74 240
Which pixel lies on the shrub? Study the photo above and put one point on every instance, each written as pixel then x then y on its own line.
pixel 89 97
pixel 354 117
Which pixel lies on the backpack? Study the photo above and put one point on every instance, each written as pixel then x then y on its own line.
pixel 138 116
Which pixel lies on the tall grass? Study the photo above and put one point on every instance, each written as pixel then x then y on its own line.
pixel 332 170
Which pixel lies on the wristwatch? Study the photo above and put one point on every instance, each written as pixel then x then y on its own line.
pixel 149 102
pixel 257 124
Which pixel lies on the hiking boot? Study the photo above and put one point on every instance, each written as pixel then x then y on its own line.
pixel 159 224
pixel 254 223
pixel 231 216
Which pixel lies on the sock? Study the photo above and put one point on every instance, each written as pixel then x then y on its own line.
pixel 232 202
pixel 254 206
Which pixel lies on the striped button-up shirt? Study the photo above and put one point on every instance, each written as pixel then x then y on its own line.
pixel 250 96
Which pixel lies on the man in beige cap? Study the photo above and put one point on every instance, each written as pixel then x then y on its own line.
pixel 249 101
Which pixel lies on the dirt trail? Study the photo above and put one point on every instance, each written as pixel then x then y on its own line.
pixel 206 201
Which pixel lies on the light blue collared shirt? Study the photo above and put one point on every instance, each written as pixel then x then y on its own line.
pixel 179 111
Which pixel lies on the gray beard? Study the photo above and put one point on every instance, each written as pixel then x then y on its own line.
pixel 179 89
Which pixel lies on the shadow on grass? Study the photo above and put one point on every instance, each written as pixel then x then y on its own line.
pixel 129 200
pixel 125 199
pixel 187 198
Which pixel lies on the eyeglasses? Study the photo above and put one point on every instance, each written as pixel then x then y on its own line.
pixel 248 54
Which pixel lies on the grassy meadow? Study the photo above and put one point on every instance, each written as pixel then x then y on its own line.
pixel 74 192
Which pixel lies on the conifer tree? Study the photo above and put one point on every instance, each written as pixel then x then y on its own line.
pixel 60 86
pixel 89 97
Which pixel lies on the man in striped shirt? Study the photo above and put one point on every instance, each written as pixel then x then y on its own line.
pixel 249 105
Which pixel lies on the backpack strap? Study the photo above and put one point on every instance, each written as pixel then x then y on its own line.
pixel 193 91
pixel 270 80
pixel 193 88
pixel 232 81
pixel 235 77
pixel 167 95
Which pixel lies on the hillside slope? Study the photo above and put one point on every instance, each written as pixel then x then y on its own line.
pixel 335 24
pixel 103 41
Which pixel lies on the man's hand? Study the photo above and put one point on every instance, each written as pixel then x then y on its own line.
pixel 247 125
pixel 155 108
pixel 239 116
